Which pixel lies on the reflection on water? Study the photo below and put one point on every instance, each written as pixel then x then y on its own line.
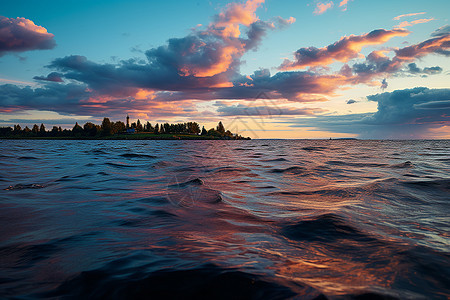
pixel 225 219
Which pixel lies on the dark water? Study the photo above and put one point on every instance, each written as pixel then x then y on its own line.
pixel 259 219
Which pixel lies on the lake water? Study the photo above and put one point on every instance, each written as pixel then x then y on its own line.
pixel 308 219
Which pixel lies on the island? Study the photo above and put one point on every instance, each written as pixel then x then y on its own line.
pixel 119 130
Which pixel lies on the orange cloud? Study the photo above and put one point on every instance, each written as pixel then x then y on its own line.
pixel 227 47
pixel 408 15
pixel 435 45
pixel 323 7
pixel 420 21
pixel 346 48
pixel 144 94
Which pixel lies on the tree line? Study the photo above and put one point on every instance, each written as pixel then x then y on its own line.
pixel 109 128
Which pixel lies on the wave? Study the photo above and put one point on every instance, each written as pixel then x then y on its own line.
pixel 441 184
pixel 192 192
pixel 96 152
pixel 27 157
pixel 275 160
pixel 207 281
pixel 328 228
pixel 406 164
pixel 339 192
pixel 291 170
pixel 314 148
pixel 355 164
pixel 135 155
pixel 149 219
pixel 195 182
pixel 229 169
pixel 121 165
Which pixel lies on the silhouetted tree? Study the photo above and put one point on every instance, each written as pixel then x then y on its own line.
pixel 90 129
pixel 6 131
pixel 42 130
pixel 204 132
pixel 139 125
pixel 220 128
pixel 106 127
pixel 54 131
pixel 148 127
pixel 17 129
pixel 35 129
pixel 193 127
pixel 77 130
pixel 156 131
pixel 119 126
pixel 27 130
pixel 213 132
pixel 165 128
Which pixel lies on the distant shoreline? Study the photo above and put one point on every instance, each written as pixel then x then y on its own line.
pixel 137 136
pixel 120 131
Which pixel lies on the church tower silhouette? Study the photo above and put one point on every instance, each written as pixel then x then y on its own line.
pixel 128 121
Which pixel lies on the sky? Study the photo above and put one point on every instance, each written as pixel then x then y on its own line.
pixel 266 69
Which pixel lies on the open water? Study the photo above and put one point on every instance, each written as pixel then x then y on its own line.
pixel 260 219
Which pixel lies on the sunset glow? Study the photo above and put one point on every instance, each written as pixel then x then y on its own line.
pixel 296 54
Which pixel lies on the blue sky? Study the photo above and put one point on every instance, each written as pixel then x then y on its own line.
pixel 108 32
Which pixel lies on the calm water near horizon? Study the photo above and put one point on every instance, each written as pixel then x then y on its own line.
pixel 259 219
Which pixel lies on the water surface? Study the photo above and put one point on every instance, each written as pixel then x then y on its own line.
pixel 225 219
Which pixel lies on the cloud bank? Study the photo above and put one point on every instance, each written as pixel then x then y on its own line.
pixel 408 113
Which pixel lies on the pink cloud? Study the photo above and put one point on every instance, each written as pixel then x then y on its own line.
pixel 344 4
pixel 20 34
pixel 322 7
pixel 348 47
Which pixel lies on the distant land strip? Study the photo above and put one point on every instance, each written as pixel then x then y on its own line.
pixel 120 131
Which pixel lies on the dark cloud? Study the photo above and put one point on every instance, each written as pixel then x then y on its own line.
pixel 52 97
pixel 20 34
pixel 444 30
pixel 256 33
pixel 409 113
pixel 79 100
pixel 125 78
pixel 413 69
pixel 378 64
pixel 54 76
pixel 444 104
pixel 47 122
pixel 267 110
pixel 403 106
pixel 351 101
pixel 438 45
